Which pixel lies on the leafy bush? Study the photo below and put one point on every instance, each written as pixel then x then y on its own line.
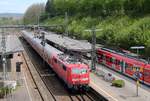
pixel 4 91
pixel 118 83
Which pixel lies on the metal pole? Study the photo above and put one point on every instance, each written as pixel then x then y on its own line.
pixel 43 44
pixel 137 87
pixel 38 22
pixel 4 67
pixel 3 43
pixel 138 53
pixel 66 24
pixel 93 48
pixel 93 55
pixel 148 59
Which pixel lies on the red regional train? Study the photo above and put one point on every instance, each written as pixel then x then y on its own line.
pixel 125 64
pixel 73 72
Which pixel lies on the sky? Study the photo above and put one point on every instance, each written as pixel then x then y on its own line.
pixel 17 6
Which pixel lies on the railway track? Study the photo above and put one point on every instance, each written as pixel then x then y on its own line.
pixel 36 86
pixel 55 86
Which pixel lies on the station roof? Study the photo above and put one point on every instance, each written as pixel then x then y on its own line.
pixel 69 43
pixel 12 44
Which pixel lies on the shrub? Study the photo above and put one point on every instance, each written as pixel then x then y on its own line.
pixel 4 91
pixel 118 83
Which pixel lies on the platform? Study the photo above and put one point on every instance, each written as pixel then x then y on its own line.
pixel 12 44
pixel 68 43
pixel 127 93
pixel 25 85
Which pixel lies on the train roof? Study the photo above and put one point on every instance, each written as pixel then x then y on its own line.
pixel 125 56
pixel 47 46
pixel 64 57
pixel 69 59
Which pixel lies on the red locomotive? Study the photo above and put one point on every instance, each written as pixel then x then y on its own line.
pixel 73 72
pixel 125 64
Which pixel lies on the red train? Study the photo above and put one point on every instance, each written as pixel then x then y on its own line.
pixel 73 72
pixel 125 64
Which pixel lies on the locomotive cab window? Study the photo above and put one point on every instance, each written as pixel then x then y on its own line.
pixel 83 71
pixel 79 71
pixel 75 71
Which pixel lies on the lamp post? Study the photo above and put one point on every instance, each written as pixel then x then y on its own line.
pixel 3 42
pixel 137 73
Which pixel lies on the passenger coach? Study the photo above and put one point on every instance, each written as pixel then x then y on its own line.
pixel 125 64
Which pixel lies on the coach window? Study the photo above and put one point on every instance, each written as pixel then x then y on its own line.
pixel 107 58
pixel 104 57
pixel 64 67
pixel 126 66
pixel 100 56
pixel 117 62
pixel 60 64
pixel 129 67
pixel 147 73
pixel 55 60
pixel 111 60
pixel 121 63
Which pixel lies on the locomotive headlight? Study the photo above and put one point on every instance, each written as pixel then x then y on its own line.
pixel 82 79
pixel 85 79
pixel 75 79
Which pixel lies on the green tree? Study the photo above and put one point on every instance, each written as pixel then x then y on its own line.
pixel 134 6
pixel 49 8
pixel 33 13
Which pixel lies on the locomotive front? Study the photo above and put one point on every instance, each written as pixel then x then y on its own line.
pixel 79 77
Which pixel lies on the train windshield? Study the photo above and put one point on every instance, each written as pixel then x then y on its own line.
pixel 83 71
pixel 78 71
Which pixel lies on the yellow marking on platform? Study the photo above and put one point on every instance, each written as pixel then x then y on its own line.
pixel 104 91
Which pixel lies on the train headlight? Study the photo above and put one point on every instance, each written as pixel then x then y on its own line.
pixel 85 79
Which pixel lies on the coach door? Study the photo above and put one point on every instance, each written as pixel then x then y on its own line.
pixel 122 63
pixel 113 62
pixel 104 58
